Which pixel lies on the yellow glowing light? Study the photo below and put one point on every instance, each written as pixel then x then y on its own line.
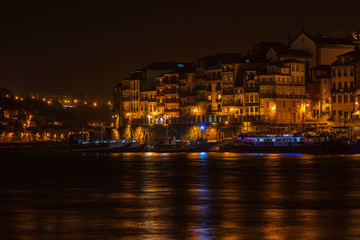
pixel 307 104
pixel 128 114
pixel 273 108
pixel 95 104
pixel 16 98
pixel 356 103
pixel 226 122
pixel 49 102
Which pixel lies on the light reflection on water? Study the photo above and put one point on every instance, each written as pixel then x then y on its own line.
pixel 180 196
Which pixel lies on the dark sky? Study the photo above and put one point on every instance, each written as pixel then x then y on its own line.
pixel 89 46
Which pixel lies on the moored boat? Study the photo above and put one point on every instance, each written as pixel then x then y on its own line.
pixel 99 146
pixel 288 144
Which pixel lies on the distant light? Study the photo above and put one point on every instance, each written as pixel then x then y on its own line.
pixel 226 122
pixel 273 108
pixel 180 65
pixel 68 106
pixel 202 127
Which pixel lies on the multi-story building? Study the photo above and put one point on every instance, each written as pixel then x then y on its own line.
pixel 282 93
pixel 321 91
pixel 345 80
pixel 127 94
pixel 187 98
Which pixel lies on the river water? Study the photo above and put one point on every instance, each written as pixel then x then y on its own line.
pixel 58 195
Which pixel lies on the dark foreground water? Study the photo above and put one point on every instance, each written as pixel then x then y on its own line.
pixel 57 195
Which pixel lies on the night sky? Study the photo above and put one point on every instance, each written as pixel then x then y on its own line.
pixel 89 46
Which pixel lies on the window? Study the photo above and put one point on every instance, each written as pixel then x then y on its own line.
pixel 325 91
pixel 345 72
pixel 340 98
pixel 351 71
pixel 210 118
pixel 334 85
pixel 267 104
pixel 324 81
pixel 339 72
pixel 345 98
pixel 284 104
pixel 339 84
pixel 333 73
pixel 345 85
pixel 340 113
pixel 351 84
pixel 334 98
pixel 256 109
pixel 297 68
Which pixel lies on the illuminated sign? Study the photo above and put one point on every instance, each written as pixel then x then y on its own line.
pixel 180 65
pixel 356 35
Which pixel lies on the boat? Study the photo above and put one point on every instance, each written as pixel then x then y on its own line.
pixel 162 145
pixel 288 144
pixel 99 146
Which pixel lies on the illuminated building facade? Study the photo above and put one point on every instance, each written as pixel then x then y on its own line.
pixel 345 81
pixel 277 84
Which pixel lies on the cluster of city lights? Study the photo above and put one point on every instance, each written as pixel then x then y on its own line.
pixel 66 102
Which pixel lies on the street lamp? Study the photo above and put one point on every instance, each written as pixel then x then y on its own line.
pixel 272 113
pixel 202 128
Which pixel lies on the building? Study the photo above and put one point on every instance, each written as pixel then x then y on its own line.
pixel 345 80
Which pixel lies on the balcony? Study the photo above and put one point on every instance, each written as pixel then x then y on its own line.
pixel 272 95
pixel 251 89
pixel 341 90
pixel 186 94
pixel 171 100
pixel 171 91
pixel 160 93
pixel 172 110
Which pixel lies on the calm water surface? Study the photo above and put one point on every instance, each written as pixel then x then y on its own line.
pixel 57 195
